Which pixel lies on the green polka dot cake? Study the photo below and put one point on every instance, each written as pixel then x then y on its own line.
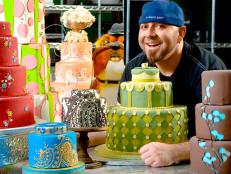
pixel 146 113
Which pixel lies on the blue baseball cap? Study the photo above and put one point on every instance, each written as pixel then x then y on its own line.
pixel 162 11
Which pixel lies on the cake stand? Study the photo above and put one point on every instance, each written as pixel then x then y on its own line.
pixel 83 142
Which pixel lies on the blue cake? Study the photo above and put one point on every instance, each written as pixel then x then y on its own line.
pixel 13 149
pixel 52 146
pixel 78 169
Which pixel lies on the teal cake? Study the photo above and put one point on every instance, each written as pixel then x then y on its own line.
pixel 77 169
pixel 13 149
pixel 52 146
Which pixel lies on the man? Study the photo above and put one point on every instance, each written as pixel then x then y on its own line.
pixel 161 35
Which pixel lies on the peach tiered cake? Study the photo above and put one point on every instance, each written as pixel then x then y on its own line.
pixel 75 70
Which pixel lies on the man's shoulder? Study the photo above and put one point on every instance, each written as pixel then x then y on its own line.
pixel 203 57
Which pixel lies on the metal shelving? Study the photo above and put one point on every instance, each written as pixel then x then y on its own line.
pixel 95 8
pixel 215 45
pixel 54 45
pixel 62 8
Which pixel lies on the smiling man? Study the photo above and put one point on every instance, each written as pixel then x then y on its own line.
pixel 161 37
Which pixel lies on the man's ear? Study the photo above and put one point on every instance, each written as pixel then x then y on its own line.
pixel 182 32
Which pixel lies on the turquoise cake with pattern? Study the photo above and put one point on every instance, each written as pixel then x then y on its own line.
pixel 52 148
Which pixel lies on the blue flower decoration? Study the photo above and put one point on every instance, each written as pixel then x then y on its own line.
pixel 224 154
pixel 217 135
pixel 208 159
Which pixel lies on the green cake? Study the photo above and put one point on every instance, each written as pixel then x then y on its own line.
pixel 146 113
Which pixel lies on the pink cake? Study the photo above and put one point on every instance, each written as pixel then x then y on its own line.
pixel 17 108
pixel 75 70
pixel 81 50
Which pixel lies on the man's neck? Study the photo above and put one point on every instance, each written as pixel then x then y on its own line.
pixel 168 66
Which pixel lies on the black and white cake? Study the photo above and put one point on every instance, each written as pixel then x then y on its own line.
pixel 84 108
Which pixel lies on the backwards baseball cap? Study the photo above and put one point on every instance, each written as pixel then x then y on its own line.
pixel 163 11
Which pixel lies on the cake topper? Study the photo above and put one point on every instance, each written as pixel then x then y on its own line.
pixel 77 20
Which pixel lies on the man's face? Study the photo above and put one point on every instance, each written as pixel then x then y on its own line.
pixel 158 41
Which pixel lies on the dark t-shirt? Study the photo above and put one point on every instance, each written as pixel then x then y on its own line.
pixel 186 79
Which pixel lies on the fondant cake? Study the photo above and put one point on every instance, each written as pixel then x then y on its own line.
pixel 210 149
pixel 145 114
pixel 84 109
pixel 75 70
pixel 17 108
pixel 52 146
pixel 51 149
pixel 81 50
pixel 13 149
pixel 8 46
pixel 5 29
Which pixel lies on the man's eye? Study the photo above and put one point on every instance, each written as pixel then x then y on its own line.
pixel 143 26
pixel 161 26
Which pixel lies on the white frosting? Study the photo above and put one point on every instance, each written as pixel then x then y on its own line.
pixel 73 36
pixel 77 15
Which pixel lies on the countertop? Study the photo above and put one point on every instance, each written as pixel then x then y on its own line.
pixel 115 167
pixel 125 167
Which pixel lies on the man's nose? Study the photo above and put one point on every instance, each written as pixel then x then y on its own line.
pixel 151 31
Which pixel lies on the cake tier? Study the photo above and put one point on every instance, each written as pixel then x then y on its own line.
pixel 146 94
pixel 84 109
pixel 16 111
pixel 12 81
pixel 5 29
pixel 63 87
pixel 74 72
pixel 77 50
pixel 145 74
pixel 129 129
pixel 216 87
pixel 212 122
pixel 9 51
pixel 49 147
pixel 78 169
pixel 50 128
pixel 13 149
pixel 210 157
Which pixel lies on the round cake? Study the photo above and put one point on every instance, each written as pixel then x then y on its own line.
pixel 84 109
pixel 17 108
pixel 52 146
pixel 52 149
pixel 146 113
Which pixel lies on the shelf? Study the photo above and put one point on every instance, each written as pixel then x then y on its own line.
pixel 54 36
pixel 62 8
pixel 205 45
pixel 216 45
pixel 54 45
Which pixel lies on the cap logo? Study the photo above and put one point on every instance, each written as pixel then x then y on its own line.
pixel 154 17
